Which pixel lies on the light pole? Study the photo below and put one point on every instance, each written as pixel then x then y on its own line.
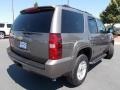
pixel 68 2
pixel 13 9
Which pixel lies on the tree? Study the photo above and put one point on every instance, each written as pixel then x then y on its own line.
pixel 112 13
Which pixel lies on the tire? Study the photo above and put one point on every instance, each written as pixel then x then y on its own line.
pixel 110 52
pixel 79 72
pixel 2 35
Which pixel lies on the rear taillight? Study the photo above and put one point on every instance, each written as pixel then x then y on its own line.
pixel 55 46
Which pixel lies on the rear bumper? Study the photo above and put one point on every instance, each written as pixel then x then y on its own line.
pixel 51 69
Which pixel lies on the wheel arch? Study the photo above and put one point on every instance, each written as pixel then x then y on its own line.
pixel 3 32
pixel 87 51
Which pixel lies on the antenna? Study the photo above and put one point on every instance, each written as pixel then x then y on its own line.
pixel 35 4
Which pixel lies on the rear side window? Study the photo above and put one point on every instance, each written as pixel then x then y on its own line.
pixel 72 22
pixel 34 22
pixel 92 25
pixel 2 25
pixel 8 25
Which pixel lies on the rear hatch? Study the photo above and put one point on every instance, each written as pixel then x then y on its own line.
pixel 29 37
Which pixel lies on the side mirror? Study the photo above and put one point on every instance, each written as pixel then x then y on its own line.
pixel 110 30
pixel 102 31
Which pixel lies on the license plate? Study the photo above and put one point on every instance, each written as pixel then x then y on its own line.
pixel 23 45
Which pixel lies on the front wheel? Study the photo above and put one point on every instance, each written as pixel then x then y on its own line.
pixel 79 72
pixel 110 52
pixel 2 35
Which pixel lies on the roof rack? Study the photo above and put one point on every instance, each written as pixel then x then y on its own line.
pixel 76 9
pixel 65 5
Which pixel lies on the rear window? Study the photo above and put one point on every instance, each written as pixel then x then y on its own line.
pixel 9 25
pixel 72 22
pixel 2 25
pixel 34 22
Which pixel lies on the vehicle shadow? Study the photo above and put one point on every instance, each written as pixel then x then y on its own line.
pixel 31 81
pixel 4 38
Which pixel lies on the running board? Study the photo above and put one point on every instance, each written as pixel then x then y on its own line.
pixel 97 59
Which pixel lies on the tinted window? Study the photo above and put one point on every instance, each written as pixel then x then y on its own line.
pixel 8 25
pixel 100 26
pixel 2 25
pixel 92 25
pixel 36 22
pixel 72 22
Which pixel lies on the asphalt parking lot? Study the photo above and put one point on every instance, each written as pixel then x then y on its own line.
pixel 103 76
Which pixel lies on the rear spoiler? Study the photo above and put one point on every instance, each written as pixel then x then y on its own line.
pixel 37 9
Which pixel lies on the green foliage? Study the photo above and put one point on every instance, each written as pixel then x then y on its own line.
pixel 111 14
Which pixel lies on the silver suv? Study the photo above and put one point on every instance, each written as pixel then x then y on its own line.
pixel 59 41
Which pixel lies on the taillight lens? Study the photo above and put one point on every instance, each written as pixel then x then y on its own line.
pixel 55 46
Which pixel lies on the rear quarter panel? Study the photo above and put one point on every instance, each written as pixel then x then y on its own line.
pixel 73 42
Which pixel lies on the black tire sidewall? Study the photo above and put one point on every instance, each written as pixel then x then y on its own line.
pixel 3 34
pixel 74 79
pixel 110 52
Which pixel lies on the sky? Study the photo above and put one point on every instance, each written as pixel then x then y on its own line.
pixel 94 7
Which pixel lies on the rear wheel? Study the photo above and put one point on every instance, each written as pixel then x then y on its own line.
pixel 110 52
pixel 79 72
pixel 2 35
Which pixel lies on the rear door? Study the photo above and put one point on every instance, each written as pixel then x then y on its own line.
pixel 94 37
pixel 30 34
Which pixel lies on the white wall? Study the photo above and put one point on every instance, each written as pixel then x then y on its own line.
pixel 117 25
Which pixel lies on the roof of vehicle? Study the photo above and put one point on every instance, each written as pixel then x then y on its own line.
pixel 54 6
pixel 4 23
